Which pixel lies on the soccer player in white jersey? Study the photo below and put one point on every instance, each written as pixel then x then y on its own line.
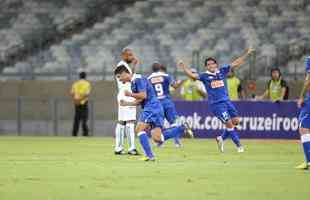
pixel 126 114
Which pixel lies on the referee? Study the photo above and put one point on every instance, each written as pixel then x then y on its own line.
pixel 80 92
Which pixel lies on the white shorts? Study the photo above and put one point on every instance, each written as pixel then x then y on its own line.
pixel 126 113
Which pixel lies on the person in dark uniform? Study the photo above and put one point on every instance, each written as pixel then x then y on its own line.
pixel 80 92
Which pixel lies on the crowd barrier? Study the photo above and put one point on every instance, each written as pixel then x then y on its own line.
pixel 258 119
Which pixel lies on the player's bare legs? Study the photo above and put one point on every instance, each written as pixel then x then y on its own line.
pixel 141 127
pixel 235 121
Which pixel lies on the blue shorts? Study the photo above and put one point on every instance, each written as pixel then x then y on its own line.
pixel 170 111
pixel 224 111
pixel 154 117
pixel 304 117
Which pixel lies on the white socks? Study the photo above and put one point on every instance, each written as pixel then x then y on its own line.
pixel 119 137
pixel 130 134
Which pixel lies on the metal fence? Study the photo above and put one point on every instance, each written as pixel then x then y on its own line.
pixel 48 117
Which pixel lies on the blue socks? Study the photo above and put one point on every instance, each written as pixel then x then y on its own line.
pixel 173 132
pixel 305 140
pixel 144 141
pixel 225 134
pixel 234 136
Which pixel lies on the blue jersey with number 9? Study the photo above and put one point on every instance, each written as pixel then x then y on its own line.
pixel 161 83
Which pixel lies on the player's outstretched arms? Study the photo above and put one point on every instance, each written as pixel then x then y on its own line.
pixel 187 71
pixel 241 60
pixel 138 96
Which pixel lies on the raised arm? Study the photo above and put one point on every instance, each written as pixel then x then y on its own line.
pixel 135 64
pixel 241 60
pixel 188 71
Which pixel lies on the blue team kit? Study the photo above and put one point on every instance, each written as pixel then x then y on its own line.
pixel 304 116
pixel 218 98
pixel 161 83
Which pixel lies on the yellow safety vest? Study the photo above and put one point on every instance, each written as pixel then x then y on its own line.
pixel 81 88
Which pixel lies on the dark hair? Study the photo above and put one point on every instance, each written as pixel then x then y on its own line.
pixel 156 67
pixel 163 68
pixel 210 58
pixel 120 69
pixel 82 75
pixel 275 69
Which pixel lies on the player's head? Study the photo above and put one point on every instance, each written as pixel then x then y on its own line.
pixel 156 67
pixel 128 55
pixel 82 75
pixel 275 73
pixel 123 74
pixel 163 68
pixel 211 64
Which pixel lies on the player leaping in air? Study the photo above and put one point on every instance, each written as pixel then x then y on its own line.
pixel 304 117
pixel 161 82
pixel 151 116
pixel 218 100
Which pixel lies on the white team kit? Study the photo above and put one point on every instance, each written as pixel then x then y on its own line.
pixel 125 114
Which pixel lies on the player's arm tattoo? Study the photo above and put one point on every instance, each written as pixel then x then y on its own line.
pixel 241 60
pixel 188 71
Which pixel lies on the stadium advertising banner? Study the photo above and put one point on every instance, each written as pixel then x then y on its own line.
pixel 257 119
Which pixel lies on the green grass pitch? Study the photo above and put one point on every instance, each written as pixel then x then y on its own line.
pixel 86 169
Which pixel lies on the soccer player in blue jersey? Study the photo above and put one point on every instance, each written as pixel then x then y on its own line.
pixel 304 117
pixel 161 82
pixel 214 79
pixel 152 116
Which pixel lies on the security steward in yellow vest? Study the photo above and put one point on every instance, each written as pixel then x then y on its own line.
pixel 234 87
pixel 277 89
pixel 193 90
pixel 80 92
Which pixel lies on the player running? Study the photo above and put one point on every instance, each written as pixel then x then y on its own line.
pixel 219 103
pixel 161 82
pixel 152 116
pixel 126 114
pixel 304 117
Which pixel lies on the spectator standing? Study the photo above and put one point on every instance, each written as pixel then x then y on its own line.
pixel 277 89
pixel 193 90
pixel 80 92
pixel 235 90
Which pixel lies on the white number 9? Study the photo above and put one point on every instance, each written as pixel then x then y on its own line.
pixel 159 89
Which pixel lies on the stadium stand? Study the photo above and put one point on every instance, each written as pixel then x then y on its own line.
pixel 157 30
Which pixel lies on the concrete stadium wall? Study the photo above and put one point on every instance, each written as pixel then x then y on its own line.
pixel 37 106
pixel 36 96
